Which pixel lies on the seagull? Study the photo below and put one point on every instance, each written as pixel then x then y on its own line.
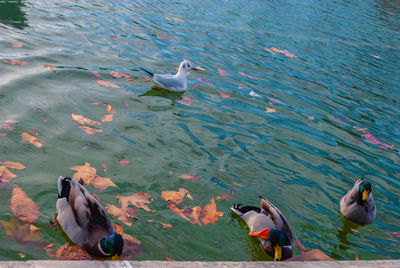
pixel 177 82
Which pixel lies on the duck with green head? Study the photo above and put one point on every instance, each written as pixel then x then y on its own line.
pixel 85 221
pixel 269 226
pixel 358 204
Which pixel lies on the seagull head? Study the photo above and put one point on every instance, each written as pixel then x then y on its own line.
pixel 186 66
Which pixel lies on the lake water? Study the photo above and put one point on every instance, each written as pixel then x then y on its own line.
pixel 280 109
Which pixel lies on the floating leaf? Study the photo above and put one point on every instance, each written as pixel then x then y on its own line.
pixel 122 214
pixel 16 44
pixel 83 120
pixel 209 214
pixel 277 101
pixel 95 73
pixel 223 94
pixel 139 200
pixel 370 138
pixel 22 233
pixel 10 121
pixel 192 214
pixel 176 197
pixel 22 255
pixel 204 80
pixel 189 177
pixel 166 225
pixel 222 72
pixel 50 67
pixel 124 162
pixel 66 252
pixel 106 83
pixel 90 131
pixel 33 132
pixel 376 57
pixel 169 259
pixel 127 237
pixel 356 258
pixel 13 165
pixel 15 62
pixel 107 118
pixel 87 173
pixel 31 139
pixel 223 196
pixel 6 175
pixel 164 37
pixel 270 110
pixel 186 100
pixel 246 75
pixel 102 183
pixel 24 208
pixel 119 74
pixel 110 109
pixel 6 126
pixel 3 134
pixel 240 185
pixel 129 79
pixel 274 50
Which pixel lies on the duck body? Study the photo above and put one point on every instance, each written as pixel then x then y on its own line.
pixel 85 221
pixel 270 227
pixel 177 82
pixel 358 204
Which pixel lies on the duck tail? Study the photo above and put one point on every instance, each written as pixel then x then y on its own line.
pixel 64 187
pixel 150 73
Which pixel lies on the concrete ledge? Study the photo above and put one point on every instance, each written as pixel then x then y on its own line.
pixel 196 264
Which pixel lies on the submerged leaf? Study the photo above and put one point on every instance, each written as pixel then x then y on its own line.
pixel 6 175
pixel 164 37
pixel 124 162
pixel 90 131
pixel 223 196
pixel 189 177
pixel 122 214
pixel 24 208
pixel 107 118
pixel 16 44
pixel 6 126
pixel 13 165
pixel 223 94
pixel 119 74
pixel 186 100
pixel 83 120
pixel 66 252
pixel 31 139
pixel 139 200
pixel 300 246
pixel 106 83
pixel 222 72
pixel 22 233
pixel 166 225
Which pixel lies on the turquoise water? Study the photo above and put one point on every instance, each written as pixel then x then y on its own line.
pixel 332 69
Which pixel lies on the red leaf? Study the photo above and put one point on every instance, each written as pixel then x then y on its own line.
pixel 124 162
pixel 6 126
pixel 240 185
pixel 96 73
pixel 3 134
pixel 10 121
pixel 110 109
pixel 270 110
pixel 164 37
pixel 106 83
pixel 277 101
pixel 246 75
pixel 15 62
pixel 223 95
pixel 300 246
pixel 204 80
pixel 119 74
pixel 126 104
pixel 222 72
pixel 186 100
pixel 104 166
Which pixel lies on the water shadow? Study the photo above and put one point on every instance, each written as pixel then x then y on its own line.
pixel 11 13
pixel 164 93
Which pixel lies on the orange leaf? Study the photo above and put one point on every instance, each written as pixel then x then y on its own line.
pixel 223 95
pixel 169 259
pixel 16 44
pixel 102 183
pixel 189 177
pixel 110 109
pixel 119 74
pixel 83 120
pixel 209 213
pixel 6 175
pixel 95 73
pixel 10 121
pixel 106 83
pixel 166 225
pixel 312 255
pixel 240 185
pixel 139 200
pixel 86 172
pixel 24 208
pixel 124 162
pixel 22 233
pixel 193 214
pixel 127 237
pixel 175 197
pixel 107 118
pixel 129 79
pixel 50 67
pixel 223 196
pixel 270 110
pixel 131 244
pixel 121 214
pixel 300 246
pixel 15 62
pixel 164 37
pixel 66 252
pixel 22 255
pixel 13 165
pixel 31 139
pixel 90 131
pixel 357 258
pixel 179 212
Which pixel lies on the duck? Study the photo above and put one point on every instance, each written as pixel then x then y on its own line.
pixel 358 204
pixel 270 227
pixel 85 221
pixel 177 82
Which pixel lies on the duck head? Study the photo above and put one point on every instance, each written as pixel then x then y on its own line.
pixel 364 189
pixel 278 240
pixel 112 245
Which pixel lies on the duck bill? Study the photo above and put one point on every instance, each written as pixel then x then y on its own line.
pixel 116 258
pixel 278 253
pixel 365 195
pixel 194 69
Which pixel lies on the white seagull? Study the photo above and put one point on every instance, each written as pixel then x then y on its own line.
pixel 177 82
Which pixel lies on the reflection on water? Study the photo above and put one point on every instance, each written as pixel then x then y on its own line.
pixel 163 93
pixel 11 13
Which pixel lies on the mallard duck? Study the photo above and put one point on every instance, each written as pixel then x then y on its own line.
pixel 358 204
pixel 177 82
pixel 85 221
pixel 270 227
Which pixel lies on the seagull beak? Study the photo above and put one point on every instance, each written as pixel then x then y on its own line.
pixel 194 69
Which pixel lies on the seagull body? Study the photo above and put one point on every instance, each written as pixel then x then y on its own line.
pixel 177 82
